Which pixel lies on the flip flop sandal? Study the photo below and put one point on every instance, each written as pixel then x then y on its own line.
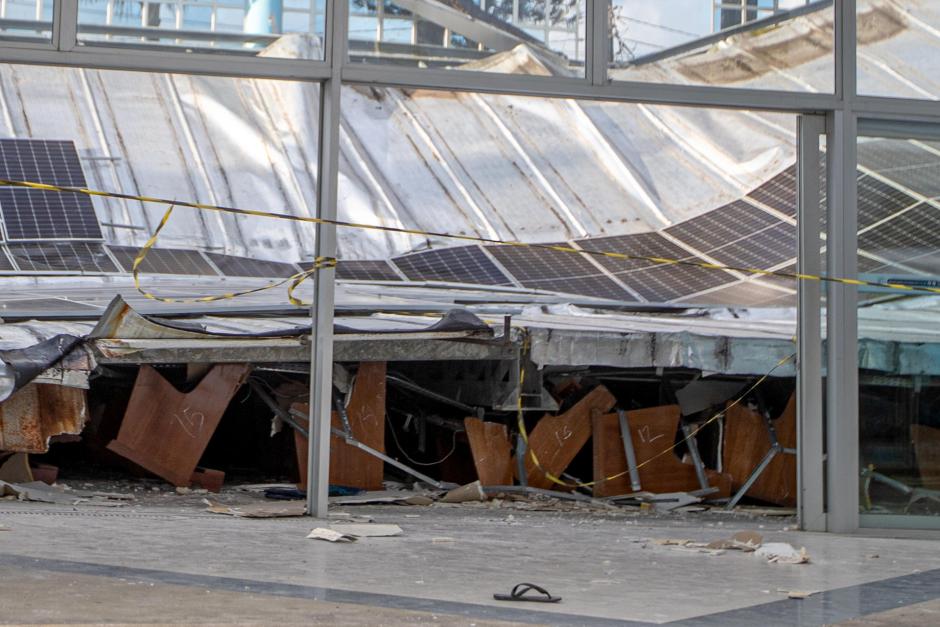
pixel 521 590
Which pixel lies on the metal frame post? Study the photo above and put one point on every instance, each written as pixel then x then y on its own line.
pixel 321 356
pixel 842 470
pixel 809 427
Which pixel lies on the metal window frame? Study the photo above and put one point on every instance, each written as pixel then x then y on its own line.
pixel 841 109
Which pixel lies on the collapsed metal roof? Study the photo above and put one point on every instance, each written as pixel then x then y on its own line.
pixel 474 164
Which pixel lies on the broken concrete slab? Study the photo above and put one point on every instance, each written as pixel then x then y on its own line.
pixel 166 431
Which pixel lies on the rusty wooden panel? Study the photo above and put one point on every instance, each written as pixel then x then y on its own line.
pixel 492 453
pixel 652 431
pixel 166 431
pixel 36 412
pixel 557 439
pixel 350 466
pixel 927 448
pixel 746 443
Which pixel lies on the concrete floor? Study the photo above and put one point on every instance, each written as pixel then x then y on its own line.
pixel 172 564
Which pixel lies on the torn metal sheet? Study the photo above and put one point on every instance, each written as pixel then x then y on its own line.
pixel 20 366
pixel 35 413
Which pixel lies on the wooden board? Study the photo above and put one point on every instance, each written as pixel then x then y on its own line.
pixel 557 439
pixel 492 453
pixel 927 448
pixel 652 431
pixel 350 466
pixel 166 431
pixel 746 441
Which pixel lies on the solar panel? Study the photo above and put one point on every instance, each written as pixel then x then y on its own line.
pixel 462 264
pixel 745 293
pixel 230 265
pixel 5 263
pixel 722 226
pixel 903 162
pixel 779 192
pixel 877 201
pixel 365 270
pixel 30 214
pixel 655 282
pixel 164 261
pixel 568 273
pixel 911 238
pixel 762 249
pixel 61 257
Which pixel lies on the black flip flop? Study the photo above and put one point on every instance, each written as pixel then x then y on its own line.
pixel 519 594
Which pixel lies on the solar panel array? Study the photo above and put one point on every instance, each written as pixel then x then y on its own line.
pixel 899 232
pixel 365 270
pixel 461 264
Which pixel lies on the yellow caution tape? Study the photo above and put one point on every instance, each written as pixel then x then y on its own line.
pixel 329 262
pixel 587 484
pixel 294 280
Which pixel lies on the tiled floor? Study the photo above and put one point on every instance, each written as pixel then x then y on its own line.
pixel 150 564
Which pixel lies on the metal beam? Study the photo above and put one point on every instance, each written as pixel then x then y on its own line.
pixel 810 473
pixel 321 356
pixel 842 472
pixel 489 35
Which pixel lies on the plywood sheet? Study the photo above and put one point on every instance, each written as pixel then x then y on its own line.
pixel 652 431
pixel 557 439
pixel 927 448
pixel 166 431
pixel 747 441
pixel 492 453
pixel 350 466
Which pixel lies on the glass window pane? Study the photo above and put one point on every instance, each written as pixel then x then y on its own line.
pixel 26 20
pixel 899 363
pixel 725 43
pixel 267 28
pixel 897 46
pixel 525 36
pixel 225 141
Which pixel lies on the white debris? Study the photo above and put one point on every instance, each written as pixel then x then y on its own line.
pixel 783 553
pixel 330 535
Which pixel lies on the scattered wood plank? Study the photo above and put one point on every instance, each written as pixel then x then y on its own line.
pixel 166 431
pixel 350 466
pixel 492 453
pixel 927 449
pixel 557 439
pixel 652 431
pixel 746 442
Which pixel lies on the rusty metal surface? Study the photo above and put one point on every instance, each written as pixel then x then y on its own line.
pixel 37 412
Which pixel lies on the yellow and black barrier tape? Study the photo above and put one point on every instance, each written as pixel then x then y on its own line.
pixel 295 280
